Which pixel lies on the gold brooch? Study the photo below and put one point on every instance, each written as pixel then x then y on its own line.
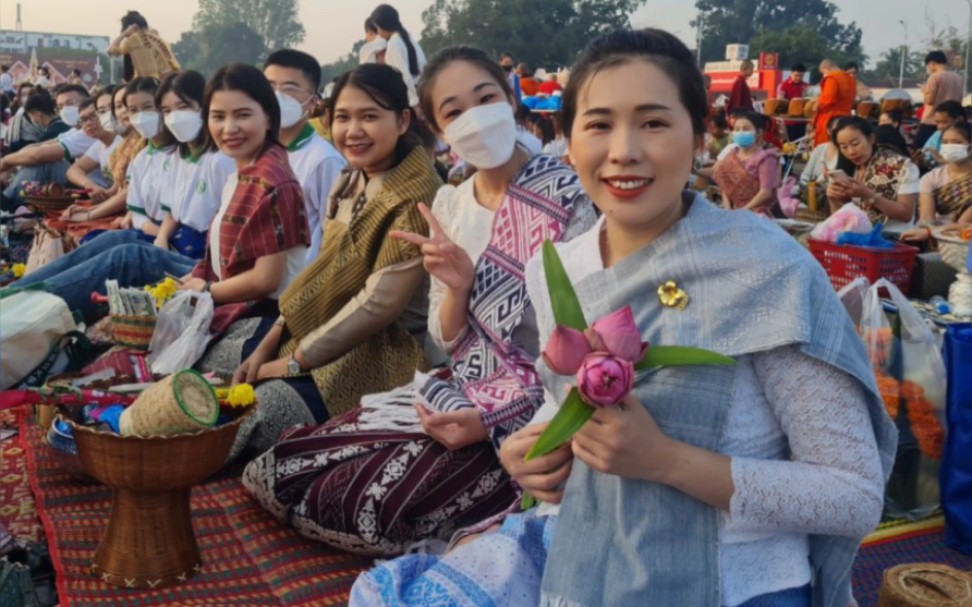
pixel 671 296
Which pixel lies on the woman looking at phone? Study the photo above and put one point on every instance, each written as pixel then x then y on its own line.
pixel 883 183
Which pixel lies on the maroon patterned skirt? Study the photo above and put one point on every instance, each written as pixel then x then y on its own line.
pixel 376 492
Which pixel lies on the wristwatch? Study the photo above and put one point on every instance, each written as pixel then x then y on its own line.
pixel 293 367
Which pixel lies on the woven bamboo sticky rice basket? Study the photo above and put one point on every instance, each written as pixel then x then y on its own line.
pixel 925 585
pixel 182 402
pixel 132 331
pixel 149 541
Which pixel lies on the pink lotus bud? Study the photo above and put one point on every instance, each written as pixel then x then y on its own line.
pixel 566 350
pixel 604 380
pixel 618 334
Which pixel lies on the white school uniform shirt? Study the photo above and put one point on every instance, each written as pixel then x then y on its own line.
pixel 396 55
pixel 193 186
pixel 74 143
pixel 296 256
pixel 369 52
pixel 101 153
pixel 317 166
pixel 145 178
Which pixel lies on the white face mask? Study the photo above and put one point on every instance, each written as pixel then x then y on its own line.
pixel 146 124
pixel 107 121
pixel 291 110
pixel 954 152
pixel 184 124
pixel 70 114
pixel 484 136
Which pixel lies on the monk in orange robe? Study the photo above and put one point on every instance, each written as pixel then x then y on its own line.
pixel 838 90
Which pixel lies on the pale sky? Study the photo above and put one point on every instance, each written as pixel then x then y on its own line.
pixel 334 25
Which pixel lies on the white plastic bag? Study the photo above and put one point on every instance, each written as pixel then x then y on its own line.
pixel 181 333
pixel 31 322
pixel 852 295
pixel 912 380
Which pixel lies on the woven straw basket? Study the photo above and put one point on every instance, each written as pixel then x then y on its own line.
pixel 50 204
pixel 149 541
pixel 132 331
pixel 182 402
pixel 925 585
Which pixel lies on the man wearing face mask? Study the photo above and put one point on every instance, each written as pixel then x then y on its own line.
pixel 91 171
pixel 48 161
pixel 21 131
pixel 296 76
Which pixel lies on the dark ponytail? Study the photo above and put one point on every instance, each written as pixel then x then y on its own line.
pixel 386 17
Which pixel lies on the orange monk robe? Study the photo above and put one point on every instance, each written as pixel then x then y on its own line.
pixel 837 93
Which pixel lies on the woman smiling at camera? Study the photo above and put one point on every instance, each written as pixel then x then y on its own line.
pixel 728 486
pixel 433 442
pixel 354 321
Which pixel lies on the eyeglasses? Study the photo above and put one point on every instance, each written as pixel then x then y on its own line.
pixel 88 118
pixel 292 90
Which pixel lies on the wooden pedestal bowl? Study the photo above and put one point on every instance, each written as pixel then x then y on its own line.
pixel 149 542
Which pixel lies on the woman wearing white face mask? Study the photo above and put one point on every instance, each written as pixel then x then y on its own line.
pixel 192 177
pixel 136 164
pixel 945 194
pixel 749 175
pixel 442 435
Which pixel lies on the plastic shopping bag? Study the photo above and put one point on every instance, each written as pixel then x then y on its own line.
pixel 849 218
pixel 181 332
pixel 957 464
pixel 911 378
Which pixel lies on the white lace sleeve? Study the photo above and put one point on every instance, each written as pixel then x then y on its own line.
pixel 833 484
pixel 444 209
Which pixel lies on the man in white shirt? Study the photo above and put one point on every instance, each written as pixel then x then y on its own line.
pixel 296 76
pixel 48 161
pixel 6 81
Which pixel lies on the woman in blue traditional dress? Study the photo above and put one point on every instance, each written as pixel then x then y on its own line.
pixel 419 461
pixel 736 486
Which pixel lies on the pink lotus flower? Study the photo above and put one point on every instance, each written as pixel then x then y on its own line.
pixel 618 335
pixel 566 350
pixel 615 334
pixel 604 380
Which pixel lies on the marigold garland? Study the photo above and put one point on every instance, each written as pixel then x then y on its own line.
pixel 922 417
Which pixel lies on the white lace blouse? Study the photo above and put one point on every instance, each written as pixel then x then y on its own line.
pixel 804 456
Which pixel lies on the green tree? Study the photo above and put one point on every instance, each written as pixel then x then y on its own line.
pixel 218 45
pixel 330 71
pixel 726 22
pixel 802 44
pixel 540 32
pixel 275 21
pixel 888 67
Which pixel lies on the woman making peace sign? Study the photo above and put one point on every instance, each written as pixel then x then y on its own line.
pixel 421 460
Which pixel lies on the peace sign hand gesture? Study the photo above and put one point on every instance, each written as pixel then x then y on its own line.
pixel 443 258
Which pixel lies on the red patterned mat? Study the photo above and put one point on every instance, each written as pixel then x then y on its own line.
pixel 17 510
pixel 248 557
pixel 899 543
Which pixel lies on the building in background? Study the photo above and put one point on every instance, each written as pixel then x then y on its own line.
pixel 61 53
